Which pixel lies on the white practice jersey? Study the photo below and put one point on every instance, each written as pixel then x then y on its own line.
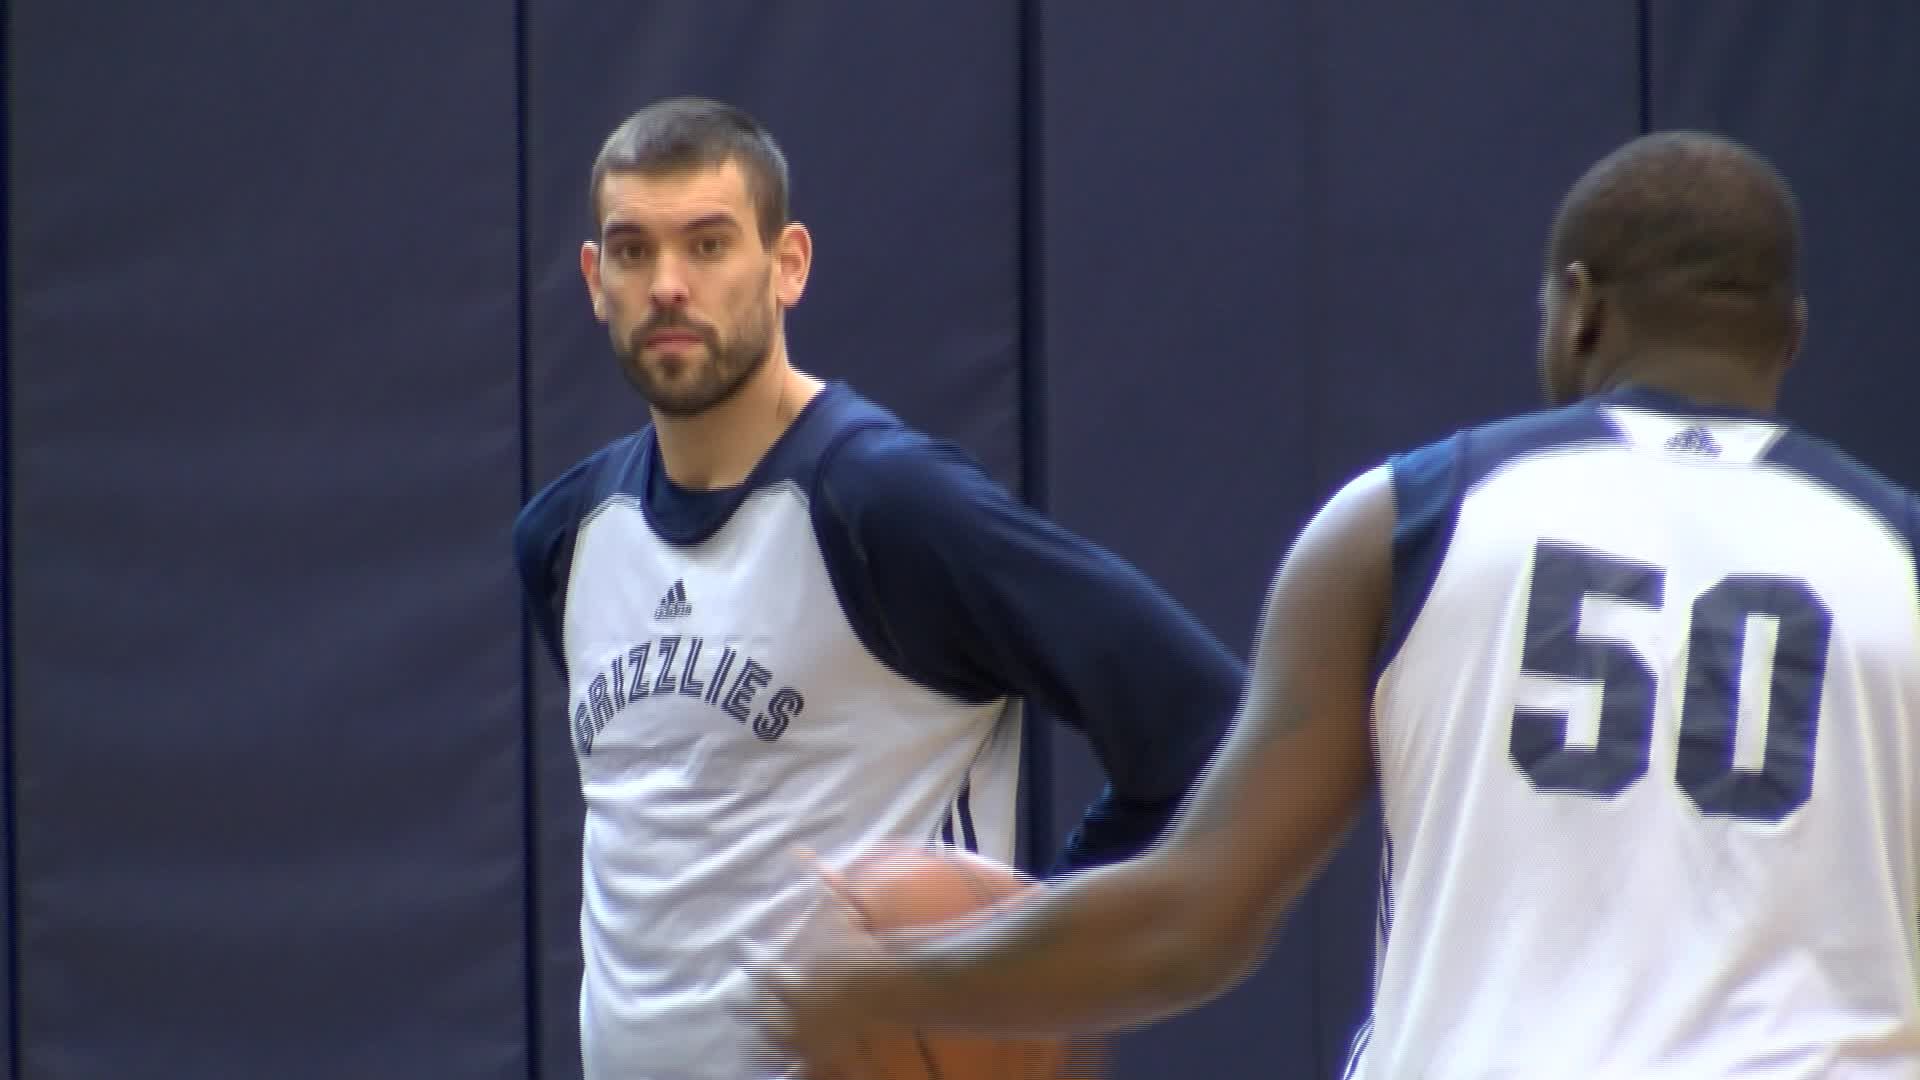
pixel 1646 728
pixel 726 715
pixel 835 656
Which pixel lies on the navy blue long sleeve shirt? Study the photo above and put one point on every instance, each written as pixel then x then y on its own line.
pixel 956 585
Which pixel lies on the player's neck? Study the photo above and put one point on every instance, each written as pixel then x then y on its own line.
pixel 1705 378
pixel 720 447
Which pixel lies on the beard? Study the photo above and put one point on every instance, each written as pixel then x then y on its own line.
pixel 688 384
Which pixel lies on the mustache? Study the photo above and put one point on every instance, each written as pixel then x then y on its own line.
pixel 669 321
pixel 636 341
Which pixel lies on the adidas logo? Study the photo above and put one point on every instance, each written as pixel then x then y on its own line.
pixel 674 605
pixel 1695 439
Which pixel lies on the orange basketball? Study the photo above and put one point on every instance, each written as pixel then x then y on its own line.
pixel 921 888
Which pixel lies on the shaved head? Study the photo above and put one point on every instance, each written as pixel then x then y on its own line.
pixel 1694 236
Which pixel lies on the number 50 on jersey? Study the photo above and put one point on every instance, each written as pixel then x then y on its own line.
pixel 1715 670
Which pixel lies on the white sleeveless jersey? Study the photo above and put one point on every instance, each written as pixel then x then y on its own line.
pixel 706 741
pixel 726 715
pixel 837 653
pixel 1646 728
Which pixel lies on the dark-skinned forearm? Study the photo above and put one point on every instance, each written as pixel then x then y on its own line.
pixel 1098 951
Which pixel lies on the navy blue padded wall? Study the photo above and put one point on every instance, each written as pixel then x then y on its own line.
pixel 1830 93
pixel 8 1002
pixel 265 447
pixel 1175 222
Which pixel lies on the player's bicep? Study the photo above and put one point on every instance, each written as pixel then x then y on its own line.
pixel 965 590
pixel 1299 759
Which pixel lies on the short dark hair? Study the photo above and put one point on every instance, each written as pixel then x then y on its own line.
pixel 683 133
pixel 1695 235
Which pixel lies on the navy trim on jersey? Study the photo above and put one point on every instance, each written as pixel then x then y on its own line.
pixel 954 584
pixel 1430 482
pixel 544 531
pixel 1664 401
pixel 1358 1049
pixel 1383 930
pixel 1426 488
pixel 1810 456
pixel 963 807
pixel 1834 468
pixel 962 812
pixel 1386 886
pixel 682 516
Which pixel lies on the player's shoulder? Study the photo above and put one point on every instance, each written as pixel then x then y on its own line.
pixel 886 467
pixel 560 504
pixel 1821 462
pixel 1457 461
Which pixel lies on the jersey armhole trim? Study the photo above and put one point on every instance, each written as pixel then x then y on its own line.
pixel 1426 496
